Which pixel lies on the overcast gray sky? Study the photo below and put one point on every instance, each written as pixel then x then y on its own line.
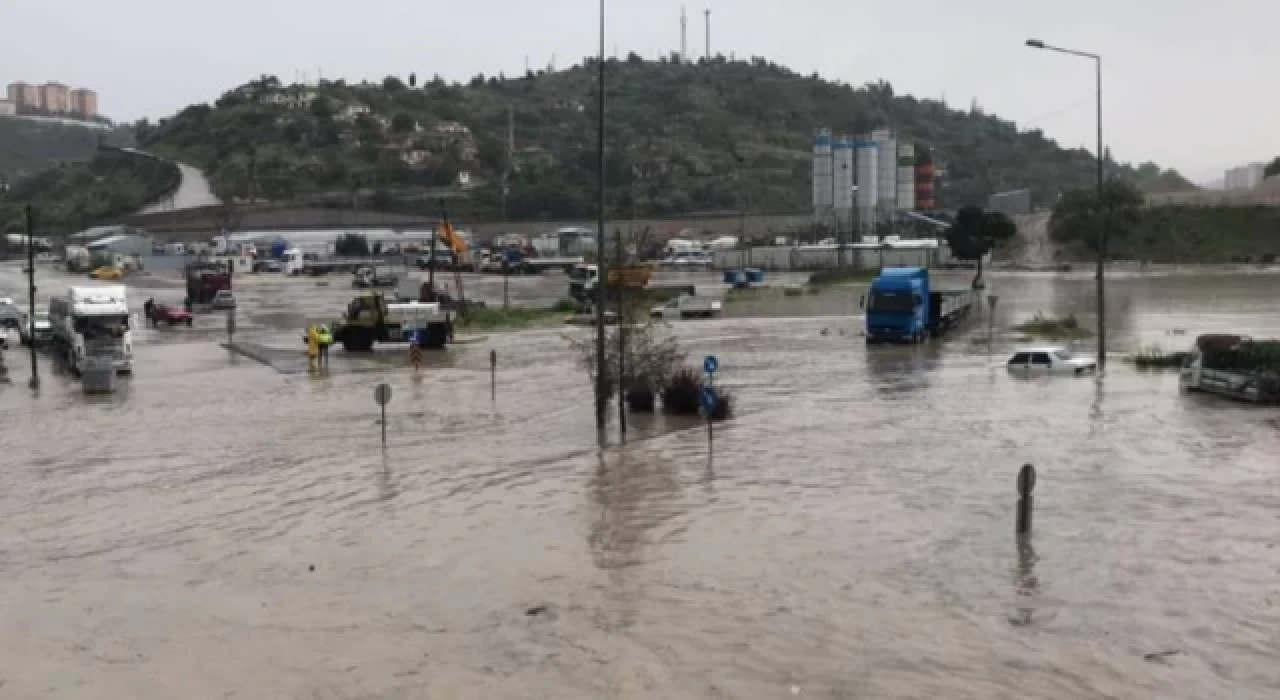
pixel 1187 84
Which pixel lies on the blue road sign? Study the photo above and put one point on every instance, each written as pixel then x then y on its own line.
pixel 709 399
pixel 710 364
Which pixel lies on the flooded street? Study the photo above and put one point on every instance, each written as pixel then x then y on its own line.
pixel 223 528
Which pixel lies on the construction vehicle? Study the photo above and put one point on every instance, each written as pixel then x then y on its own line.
pixel 583 279
pixel 370 319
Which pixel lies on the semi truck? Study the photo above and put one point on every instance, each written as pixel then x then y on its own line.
pixel 92 322
pixel 370 319
pixel 903 307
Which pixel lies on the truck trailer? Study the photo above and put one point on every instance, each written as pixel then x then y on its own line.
pixel 902 307
pixel 1234 366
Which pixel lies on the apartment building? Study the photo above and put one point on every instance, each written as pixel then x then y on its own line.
pixel 8 108
pixel 84 102
pixel 25 95
pixel 52 97
pixel 55 97
pixel 1245 177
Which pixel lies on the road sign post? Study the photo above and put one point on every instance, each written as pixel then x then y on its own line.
pixel 991 319
pixel 709 397
pixel 493 375
pixel 1026 484
pixel 231 327
pixel 382 394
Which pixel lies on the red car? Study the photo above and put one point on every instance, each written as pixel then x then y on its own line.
pixel 171 315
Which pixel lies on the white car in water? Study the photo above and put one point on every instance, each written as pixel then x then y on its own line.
pixel 1050 359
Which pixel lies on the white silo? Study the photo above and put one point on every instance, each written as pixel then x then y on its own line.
pixel 887 174
pixel 842 174
pixel 866 178
pixel 822 200
pixel 906 176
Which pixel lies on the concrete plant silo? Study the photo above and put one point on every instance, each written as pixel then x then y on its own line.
pixel 842 171
pixel 866 177
pixel 906 177
pixel 887 174
pixel 822 199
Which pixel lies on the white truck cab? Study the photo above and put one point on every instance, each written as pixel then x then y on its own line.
pixel 92 322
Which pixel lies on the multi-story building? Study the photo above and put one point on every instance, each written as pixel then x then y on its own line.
pixel 84 102
pixel 55 97
pixel 52 98
pixel 25 95
pixel 1245 177
pixel 8 108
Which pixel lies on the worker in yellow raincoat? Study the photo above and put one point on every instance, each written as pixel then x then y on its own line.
pixel 325 338
pixel 313 348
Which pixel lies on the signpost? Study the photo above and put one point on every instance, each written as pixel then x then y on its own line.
pixel 510 257
pixel 231 326
pixel 991 319
pixel 382 394
pixel 1026 484
pixel 709 399
pixel 493 375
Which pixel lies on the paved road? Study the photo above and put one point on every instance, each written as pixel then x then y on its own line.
pixel 193 192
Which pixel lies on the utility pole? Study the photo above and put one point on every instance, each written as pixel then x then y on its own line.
pixel 1102 235
pixel 622 343
pixel 684 46
pixel 31 289
pixel 602 278
pixel 707 14
pixel 1103 214
pixel 511 151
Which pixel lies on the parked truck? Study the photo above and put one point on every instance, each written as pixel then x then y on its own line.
pixel 902 306
pixel 687 306
pixel 1235 366
pixel 205 280
pixel 370 319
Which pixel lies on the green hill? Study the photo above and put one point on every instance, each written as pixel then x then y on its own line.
pixel 74 196
pixel 28 146
pixel 677 135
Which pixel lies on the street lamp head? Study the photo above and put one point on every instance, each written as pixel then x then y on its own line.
pixel 1035 43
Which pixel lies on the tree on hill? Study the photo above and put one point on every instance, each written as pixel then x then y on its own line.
pixel 976 233
pixel 402 123
pixel 1077 218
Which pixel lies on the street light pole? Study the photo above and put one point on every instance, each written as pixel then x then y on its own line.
pixel 31 290
pixel 602 279
pixel 1102 213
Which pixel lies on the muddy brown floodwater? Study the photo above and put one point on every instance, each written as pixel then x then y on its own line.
pixel 224 528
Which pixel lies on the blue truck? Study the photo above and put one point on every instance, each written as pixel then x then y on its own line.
pixel 902 307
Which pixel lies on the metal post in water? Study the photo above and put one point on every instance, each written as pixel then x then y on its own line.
pixel 601 272
pixel 991 320
pixel 31 289
pixel 382 394
pixel 1026 484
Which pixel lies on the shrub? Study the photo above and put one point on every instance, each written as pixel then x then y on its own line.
pixel 682 394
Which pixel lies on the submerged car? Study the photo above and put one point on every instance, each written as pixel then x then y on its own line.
pixel 169 315
pixel 1050 359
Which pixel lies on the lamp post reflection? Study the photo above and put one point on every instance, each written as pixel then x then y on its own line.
pixel 1026 585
